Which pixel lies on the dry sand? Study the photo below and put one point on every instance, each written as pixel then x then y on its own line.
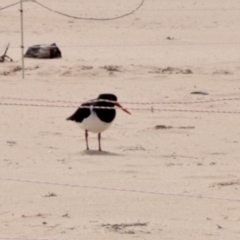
pixel 197 155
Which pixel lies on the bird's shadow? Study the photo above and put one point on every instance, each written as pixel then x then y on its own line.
pixel 99 153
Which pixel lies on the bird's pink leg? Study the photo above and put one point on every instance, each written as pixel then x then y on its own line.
pixel 86 138
pixel 99 142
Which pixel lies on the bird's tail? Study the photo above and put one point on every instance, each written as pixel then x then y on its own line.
pixel 70 118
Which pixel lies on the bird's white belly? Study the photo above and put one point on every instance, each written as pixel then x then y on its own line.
pixel 94 124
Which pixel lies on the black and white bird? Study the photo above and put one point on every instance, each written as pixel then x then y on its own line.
pixel 97 120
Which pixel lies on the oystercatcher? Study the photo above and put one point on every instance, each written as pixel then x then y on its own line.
pixel 97 120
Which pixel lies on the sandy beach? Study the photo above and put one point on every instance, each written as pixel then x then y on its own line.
pixel 171 170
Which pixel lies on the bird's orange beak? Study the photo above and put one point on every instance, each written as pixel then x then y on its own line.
pixel 119 105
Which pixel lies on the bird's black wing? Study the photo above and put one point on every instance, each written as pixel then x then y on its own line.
pixel 81 113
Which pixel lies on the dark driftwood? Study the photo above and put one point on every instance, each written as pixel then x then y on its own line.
pixel 43 51
pixel 5 56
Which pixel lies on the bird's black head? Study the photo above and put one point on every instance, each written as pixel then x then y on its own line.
pixel 110 97
pixel 107 96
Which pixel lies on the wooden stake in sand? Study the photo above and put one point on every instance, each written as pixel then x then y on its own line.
pixel 22 39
